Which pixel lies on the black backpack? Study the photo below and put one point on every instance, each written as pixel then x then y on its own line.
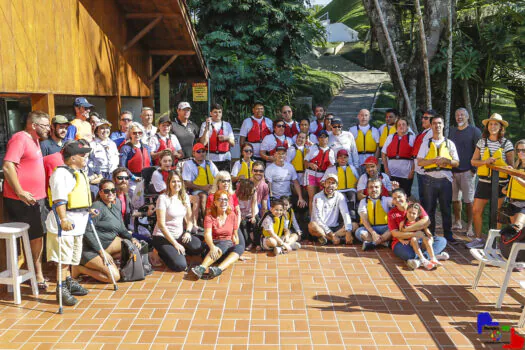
pixel 510 236
pixel 134 264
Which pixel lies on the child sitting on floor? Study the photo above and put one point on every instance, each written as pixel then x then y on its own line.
pixel 274 233
pixel 412 215
pixel 291 221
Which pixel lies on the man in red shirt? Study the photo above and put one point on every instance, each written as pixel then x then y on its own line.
pixel 24 190
pixel 401 237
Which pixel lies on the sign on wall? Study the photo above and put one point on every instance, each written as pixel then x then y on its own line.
pixel 200 92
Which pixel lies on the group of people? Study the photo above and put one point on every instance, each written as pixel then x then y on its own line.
pixel 295 181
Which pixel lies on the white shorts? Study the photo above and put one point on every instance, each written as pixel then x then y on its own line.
pixel 264 243
pixel 463 186
pixel 71 248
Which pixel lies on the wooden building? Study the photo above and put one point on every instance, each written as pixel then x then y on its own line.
pixel 110 51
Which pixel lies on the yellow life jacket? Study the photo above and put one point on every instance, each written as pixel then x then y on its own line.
pixel 246 169
pixel 434 152
pixel 80 196
pixel 365 142
pixel 484 171
pixel 516 190
pixel 83 130
pixel 204 177
pixel 346 178
pixel 376 214
pixel 384 134
pixel 289 216
pixel 278 226
pixel 298 160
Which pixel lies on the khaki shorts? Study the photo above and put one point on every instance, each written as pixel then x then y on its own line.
pixel 71 248
pixel 463 185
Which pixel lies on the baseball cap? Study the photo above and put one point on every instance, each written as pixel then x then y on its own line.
pixel 331 176
pixel 198 146
pixel 73 148
pixel 164 119
pixel 59 119
pixel 82 102
pixel 280 148
pixel 183 105
pixel 342 152
pixel 323 132
pixel 337 121
pixel 103 122
pixel 370 160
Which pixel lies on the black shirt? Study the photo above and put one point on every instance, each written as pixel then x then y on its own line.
pixel 186 135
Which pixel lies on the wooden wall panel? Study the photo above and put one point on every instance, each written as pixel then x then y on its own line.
pixel 68 47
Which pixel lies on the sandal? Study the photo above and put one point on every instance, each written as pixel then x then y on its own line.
pixel 42 286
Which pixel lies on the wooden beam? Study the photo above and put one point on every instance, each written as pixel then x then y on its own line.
pixel 43 102
pixel 172 52
pixel 113 106
pixel 143 32
pixel 162 69
pixel 151 15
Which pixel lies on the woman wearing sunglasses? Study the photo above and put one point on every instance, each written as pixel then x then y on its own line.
pixel 135 155
pixel 110 230
pixel 242 169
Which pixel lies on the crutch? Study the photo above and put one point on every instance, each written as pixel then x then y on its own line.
pixel 59 230
pixel 115 287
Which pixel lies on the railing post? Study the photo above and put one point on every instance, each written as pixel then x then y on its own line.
pixel 494 199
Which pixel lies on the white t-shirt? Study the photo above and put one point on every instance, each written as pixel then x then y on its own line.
pixel 386 203
pixel 399 167
pixel 363 180
pixel 333 170
pixel 444 173
pixel 280 178
pixel 154 142
pixel 345 141
pixel 311 137
pixel 269 142
pixel 104 157
pixel 326 211
pixel 364 129
pixel 175 212
pixel 158 181
pixel 227 131
pixel 247 126
pixel 61 183
pixel 190 170
pixel 148 134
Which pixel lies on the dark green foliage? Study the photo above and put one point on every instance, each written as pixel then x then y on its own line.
pixel 251 48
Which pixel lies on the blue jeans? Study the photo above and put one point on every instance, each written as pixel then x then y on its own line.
pixel 438 190
pixel 405 252
pixel 380 229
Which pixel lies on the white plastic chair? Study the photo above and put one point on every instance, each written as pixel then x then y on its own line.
pixel 522 318
pixel 492 256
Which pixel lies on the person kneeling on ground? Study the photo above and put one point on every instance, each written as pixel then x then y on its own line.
pixel 275 234
pixel 170 239
pixel 110 229
pixel 327 206
pixel 373 211
pixel 221 235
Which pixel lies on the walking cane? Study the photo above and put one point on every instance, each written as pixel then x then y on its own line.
pixel 115 287
pixel 59 230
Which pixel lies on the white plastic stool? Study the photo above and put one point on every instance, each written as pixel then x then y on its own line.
pixel 12 276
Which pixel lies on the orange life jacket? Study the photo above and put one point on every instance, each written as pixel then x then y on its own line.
pixel 258 131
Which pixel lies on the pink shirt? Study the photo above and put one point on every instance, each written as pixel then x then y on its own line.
pixel 25 153
pixel 224 232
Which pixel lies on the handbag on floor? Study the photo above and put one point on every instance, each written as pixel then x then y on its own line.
pixel 131 266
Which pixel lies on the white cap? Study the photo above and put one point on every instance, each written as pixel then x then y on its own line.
pixel 183 105
pixel 330 176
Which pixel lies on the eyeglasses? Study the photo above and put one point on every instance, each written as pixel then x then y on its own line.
pixel 337 126
pixel 126 120
pixel 200 151
pixel 258 171
pixel 425 118
pixel 122 178
pixel 520 150
pixel 280 126
pixel 109 190
pixel 225 180
pixel 247 150
pixel 45 126
pixel 222 199
pixel 137 133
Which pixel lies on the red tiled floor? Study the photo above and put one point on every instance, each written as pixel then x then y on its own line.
pixel 316 298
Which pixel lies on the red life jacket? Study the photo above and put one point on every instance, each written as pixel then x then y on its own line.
pixel 278 143
pixel 384 190
pixel 319 128
pixel 258 131
pixel 140 159
pixel 165 145
pixel 165 175
pixel 418 142
pixel 399 149
pixel 291 131
pixel 216 145
pixel 322 160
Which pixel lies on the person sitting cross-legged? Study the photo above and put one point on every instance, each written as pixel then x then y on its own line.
pixel 275 233
pixel 328 205
pixel 373 211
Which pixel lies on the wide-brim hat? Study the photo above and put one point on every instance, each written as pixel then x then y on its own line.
pixel 496 117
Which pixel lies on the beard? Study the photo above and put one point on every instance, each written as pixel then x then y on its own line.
pixel 462 124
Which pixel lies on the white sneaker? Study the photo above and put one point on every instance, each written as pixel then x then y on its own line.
pixel 442 256
pixel 296 246
pixel 457 225
pixel 470 232
pixel 413 264
pixel 477 243
pixel 277 250
pixel 427 264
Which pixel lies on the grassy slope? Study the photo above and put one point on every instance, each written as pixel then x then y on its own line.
pixel 349 12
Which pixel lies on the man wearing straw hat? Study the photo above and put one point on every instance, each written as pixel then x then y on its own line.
pixel 71 199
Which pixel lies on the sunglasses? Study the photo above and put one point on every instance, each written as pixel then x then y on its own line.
pixel 337 126
pixel 425 118
pixel 137 133
pixel 280 126
pixel 123 178
pixel 126 120
pixel 109 190
pixel 222 199
pixel 520 150
pixel 225 181
pixel 258 171
pixel 200 151
pixel 286 112
pixel 247 150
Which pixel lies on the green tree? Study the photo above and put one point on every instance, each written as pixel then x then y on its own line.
pixel 252 47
